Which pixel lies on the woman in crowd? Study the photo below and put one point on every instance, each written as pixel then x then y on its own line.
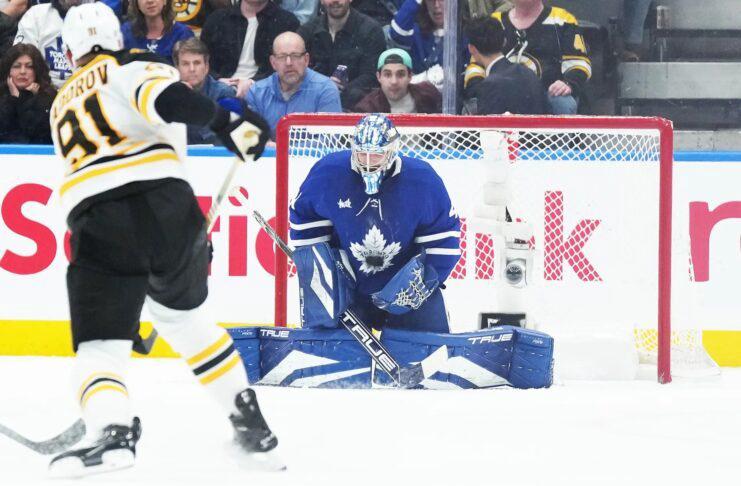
pixel 151 26
pixel 26 95
pixel 419 27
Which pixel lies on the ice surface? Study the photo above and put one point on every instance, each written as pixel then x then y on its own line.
pixel 577 433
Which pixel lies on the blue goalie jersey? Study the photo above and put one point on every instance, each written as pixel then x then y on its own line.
pixel 382 232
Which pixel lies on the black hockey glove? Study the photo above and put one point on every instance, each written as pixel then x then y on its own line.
pixel 244 135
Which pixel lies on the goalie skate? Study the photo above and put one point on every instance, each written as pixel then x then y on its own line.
pixel 115 449
pixel 254 439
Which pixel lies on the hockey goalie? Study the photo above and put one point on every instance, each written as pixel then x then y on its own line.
pixel 375 232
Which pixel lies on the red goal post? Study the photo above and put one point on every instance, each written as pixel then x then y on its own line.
pixel 604 149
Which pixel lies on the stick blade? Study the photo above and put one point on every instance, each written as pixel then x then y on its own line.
pixel 71 436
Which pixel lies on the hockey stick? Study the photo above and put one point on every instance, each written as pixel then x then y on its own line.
pixel 407 377
pixel 213 212
pixel 61 442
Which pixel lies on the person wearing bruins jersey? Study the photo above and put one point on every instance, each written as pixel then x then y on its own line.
pixel 137 233
pixel 194 13
pixel 547 40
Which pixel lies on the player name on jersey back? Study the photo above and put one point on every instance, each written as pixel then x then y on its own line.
pixel 107 130
pixel 94 77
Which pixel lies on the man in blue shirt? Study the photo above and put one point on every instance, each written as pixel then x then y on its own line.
pixel 293 87
pixel 191 59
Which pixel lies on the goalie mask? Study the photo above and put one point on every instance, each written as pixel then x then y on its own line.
pixel 373 149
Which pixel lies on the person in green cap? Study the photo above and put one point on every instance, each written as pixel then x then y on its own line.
pixel 397 93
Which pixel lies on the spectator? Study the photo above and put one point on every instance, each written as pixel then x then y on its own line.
pixel 191 60
pixel 152 27
pixel 26 96
pixel 239 40
pixel 508 87
pixel 344 36
pixel 194 13
pixel 547 40
pixel 293 88
pixel 421 29
pixel 397 94
pixel 41 26
pixel 634 18
pixel 382 11
pixel 10 12
pixel 478 8
pixel 118 6
pixel 304 10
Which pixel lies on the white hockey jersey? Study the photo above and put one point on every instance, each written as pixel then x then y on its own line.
pixel 105 127
pixel 41 26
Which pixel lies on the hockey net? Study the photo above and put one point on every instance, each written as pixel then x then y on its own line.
pixel 596 190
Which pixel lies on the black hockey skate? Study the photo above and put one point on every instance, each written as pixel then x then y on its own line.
pixel 252 434
pixel 114 449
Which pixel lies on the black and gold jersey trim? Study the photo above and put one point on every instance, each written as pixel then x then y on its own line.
pixel 120 156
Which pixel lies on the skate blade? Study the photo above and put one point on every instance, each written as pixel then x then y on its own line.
pixel 73 467
pixel 263 461
pixel 256 461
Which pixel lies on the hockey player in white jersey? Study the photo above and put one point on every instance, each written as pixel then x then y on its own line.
pixel 137 233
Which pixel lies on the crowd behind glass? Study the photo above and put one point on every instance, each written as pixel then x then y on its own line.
pixel 284 56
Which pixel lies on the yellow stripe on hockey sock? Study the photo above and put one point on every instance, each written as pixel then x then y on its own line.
pixel 111 386
pixel 94 377
pixel 209 350
pixel 222 370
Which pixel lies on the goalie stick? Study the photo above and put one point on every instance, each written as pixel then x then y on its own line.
pixel 60 443
pixel 406 377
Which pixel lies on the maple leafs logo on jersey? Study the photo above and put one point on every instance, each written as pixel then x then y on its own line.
pixel 374 254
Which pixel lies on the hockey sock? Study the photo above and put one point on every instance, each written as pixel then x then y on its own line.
pixel 98 375
pixel 207 348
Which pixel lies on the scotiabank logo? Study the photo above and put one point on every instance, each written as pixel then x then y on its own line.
pixel 559 249
pixel 16 222
pixel 562 246
pixel 20 261
pixel 702 222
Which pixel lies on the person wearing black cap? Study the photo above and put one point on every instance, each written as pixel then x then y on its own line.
pixel 508 87
pixel 397 94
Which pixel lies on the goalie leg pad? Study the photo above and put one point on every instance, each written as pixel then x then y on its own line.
pixel 319 358
pixel 326 286
pixel 492 357
pixel 247 343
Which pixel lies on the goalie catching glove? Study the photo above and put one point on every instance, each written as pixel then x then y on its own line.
pixel 240 129
pixel 409 288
